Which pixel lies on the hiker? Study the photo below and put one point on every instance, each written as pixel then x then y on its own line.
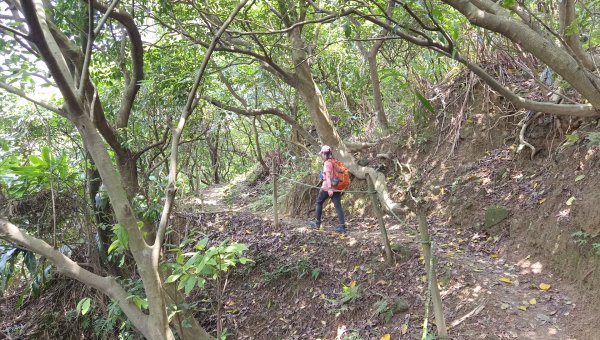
pixel 327 191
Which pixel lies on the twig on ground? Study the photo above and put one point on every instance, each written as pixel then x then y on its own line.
pixel 475 311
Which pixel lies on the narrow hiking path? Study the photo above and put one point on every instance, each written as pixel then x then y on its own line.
pixel 486 295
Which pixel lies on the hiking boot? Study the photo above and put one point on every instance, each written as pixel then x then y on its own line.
pixel 341 229
pixel 314 224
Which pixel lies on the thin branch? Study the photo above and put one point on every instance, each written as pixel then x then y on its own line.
pixel 579 110
pixel 105 16
pixel 258 112
pixel 231 90
pixel 88 52
pixel 154 145
pixel 13 31
pixel 325 19
pixel 23 95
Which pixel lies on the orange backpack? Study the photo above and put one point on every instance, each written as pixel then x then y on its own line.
pixel 341 177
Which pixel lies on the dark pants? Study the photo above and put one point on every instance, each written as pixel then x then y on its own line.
pixel 337 202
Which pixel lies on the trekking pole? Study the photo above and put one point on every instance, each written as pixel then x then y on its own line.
pixel 275 213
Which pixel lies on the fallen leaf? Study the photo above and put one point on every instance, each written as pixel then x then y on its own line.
pixel 494 256
pixel 386 337
pixel 506 280
pixel 542 201
pixel 404 329
pixel 450 254
pixel 523 308
pixel 532 301
pixel 579 178
pixel 571 200
pixel 353 284
pixel 544 286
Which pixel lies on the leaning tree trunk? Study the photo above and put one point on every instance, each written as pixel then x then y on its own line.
pixel 315 103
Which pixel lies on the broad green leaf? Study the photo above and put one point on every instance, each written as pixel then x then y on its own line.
pixel 113 246
pixel 83 307
pixel 172 278
pixel 46 154
pixel 190 284
pixel 425 102
pixel 35 160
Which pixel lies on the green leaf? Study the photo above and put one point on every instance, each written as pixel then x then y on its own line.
pixel 202 244
pixel 244 260
pixel 508 3
pixel 138 301
pixel 190 284
pixel 347 30
pixel 113 246
pixel 30 261
pixel 579 178
pixel 46 154
pixel 572 138
pixel 425 102
pixel 84 306
pixel 179 258
pixel 35 160
pixel 172 278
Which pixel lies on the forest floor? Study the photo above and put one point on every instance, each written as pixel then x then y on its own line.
pixel 316 284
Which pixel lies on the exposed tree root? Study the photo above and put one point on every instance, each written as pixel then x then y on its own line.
pixel 524 125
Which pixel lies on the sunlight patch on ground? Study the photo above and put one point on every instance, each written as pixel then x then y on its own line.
pixel 340 332
pixel 527 267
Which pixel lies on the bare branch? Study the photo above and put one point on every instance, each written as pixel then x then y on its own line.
pixel 579 110
pixel 22 94
pixel 13 31
pixel 105 16
pixel 68 267
pixel 271 111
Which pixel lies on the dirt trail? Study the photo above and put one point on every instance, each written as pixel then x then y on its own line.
pixel 486 295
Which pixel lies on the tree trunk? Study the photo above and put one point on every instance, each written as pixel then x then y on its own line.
pixel 377 97
pixel 103 217
pixel 127 163
pixel 258 151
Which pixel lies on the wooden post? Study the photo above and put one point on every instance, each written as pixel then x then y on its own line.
pixel 274 176
pixel 438 311
pixel 389 258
